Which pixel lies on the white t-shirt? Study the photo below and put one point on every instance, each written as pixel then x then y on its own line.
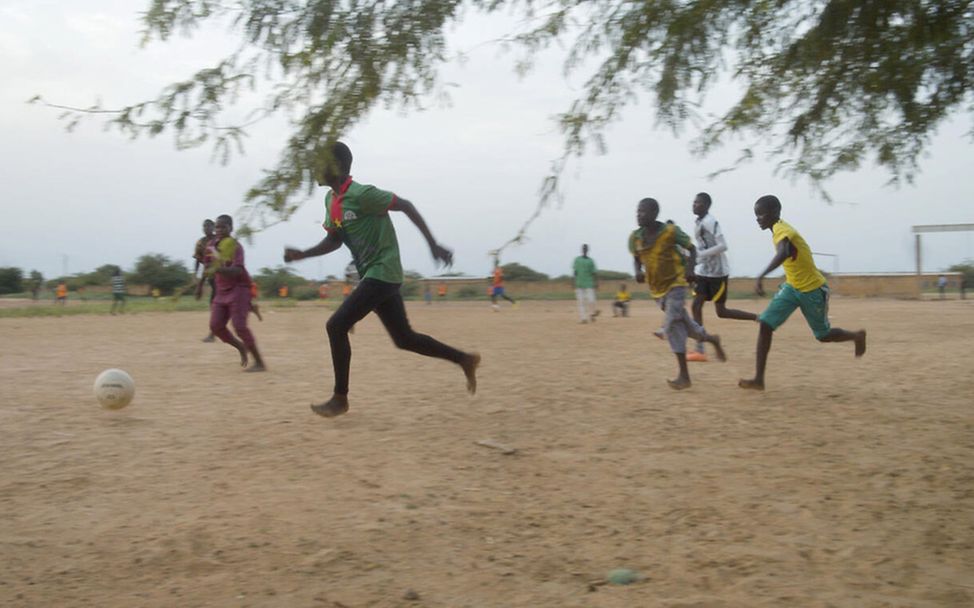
pixel 711 259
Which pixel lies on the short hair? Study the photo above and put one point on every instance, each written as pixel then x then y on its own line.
pixel 226 218
pixel 343 156
pixel 770 201
pixel 705 198
pixel 650 201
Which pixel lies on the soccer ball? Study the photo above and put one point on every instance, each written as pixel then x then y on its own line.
pixel 114 389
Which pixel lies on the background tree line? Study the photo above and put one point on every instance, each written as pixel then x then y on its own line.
pixel 155 271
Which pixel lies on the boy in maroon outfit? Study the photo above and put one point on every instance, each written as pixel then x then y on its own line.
pixel 232 300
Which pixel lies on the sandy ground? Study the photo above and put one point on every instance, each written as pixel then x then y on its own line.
pixel 848 483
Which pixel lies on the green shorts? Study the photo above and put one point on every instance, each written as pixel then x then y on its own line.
pixel 814 305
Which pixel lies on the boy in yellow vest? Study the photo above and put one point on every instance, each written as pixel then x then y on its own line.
pixel 656 246
pixel 804 288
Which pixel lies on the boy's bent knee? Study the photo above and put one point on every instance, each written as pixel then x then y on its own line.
pixel 404 341
pixel 336 326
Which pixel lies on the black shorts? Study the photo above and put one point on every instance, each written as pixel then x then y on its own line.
pixel 713 289
pixel 118 297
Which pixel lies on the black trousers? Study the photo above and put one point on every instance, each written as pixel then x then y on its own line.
pixel 385 299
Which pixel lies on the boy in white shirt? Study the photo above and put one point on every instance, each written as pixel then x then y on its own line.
pixel 712 270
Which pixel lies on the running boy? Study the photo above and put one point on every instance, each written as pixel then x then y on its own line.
pixel 497 287
pixel 655 246
pixel 232 300
pixel 804 288
pixel 358 216
pixel 712 270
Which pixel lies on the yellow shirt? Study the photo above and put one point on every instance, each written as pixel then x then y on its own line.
pixel 623 296
pixel 661 257
pixel 800 270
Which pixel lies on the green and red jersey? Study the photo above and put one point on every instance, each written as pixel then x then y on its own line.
pixel 360 215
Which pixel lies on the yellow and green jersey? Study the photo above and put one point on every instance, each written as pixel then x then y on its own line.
pixel 800 270
pixel 361 216
pixel 661 256
pixel 225 253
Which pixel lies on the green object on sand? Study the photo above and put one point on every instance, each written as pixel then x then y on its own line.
pixel 622 576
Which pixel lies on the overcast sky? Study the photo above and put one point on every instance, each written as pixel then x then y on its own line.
pixel 77 201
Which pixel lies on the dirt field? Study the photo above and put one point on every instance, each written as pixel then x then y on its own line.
pixel 849 483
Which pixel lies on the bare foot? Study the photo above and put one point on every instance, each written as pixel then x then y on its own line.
pixel 659 333
pixel 243 356
pixel 209 338
pixel 256 367
pixel 753 385
pixel 679 384
pixel 860 342
pixel 470 364
pixel 718 350
pixel 336 406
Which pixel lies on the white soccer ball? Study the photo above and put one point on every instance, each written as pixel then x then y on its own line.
pixel 114 389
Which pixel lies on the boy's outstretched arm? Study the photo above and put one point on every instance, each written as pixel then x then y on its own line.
pixel 328 244
pixel 638 266
pixel 781 254
pixel 440 253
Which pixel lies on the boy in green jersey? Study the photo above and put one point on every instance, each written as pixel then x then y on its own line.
pixel 586 282
pixel 804 288
pixel 358 216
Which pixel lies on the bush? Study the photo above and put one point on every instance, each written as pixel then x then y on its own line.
pixel 468 292
pixel 303 293
pixel 269 280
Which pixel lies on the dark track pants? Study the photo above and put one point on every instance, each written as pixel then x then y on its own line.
pixel 385 299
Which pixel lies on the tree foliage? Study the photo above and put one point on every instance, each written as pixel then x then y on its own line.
pixel 820 86
pixel 613 275
pixel 11 280
pixel 966 268
pixel 519 272
pixel 100 276
pixel 157 271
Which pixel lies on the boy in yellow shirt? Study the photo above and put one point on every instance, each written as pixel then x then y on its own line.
pixel 620 308
pixel 804 288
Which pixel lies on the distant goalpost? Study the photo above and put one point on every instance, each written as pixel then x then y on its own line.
pixel 918 231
